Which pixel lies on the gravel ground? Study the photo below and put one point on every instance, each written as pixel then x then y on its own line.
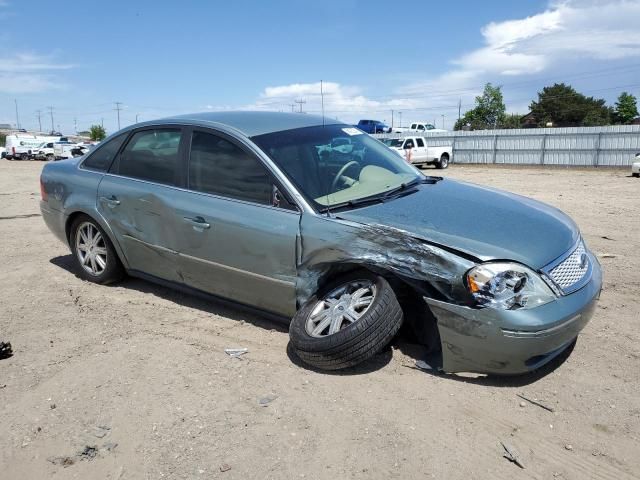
pixel 131 381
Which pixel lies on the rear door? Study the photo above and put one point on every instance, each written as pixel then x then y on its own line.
pixel 233 241
pixel 137 196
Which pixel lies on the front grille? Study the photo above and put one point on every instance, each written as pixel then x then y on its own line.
pixel 572 269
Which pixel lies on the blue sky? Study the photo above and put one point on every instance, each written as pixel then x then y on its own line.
pixel 159 58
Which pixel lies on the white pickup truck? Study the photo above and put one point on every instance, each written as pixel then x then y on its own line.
pixel 64 150
pixel 422 127
pixel 421 152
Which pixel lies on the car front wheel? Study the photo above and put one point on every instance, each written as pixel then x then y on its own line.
pixel 94 254
pixel 346 323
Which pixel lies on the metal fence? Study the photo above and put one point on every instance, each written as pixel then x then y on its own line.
pixel 613 146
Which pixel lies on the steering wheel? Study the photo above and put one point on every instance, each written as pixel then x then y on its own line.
pixel 344 168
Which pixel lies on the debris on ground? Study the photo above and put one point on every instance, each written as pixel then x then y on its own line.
pixel 534 402
pixel 568 447
pixel 225 467
pixel 236 352
pixel 5 350
pixel 89 452
pixel 607 238
pixel 266 400
pixel 100 431
pixel 511 455
pixel 422 365
pixel 64 461
pixel 607 255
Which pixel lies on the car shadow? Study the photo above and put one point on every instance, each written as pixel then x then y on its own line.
pixel 418 352
pixel 403 342
pixel 201 302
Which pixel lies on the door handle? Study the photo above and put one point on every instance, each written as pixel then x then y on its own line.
pixel 197 222
pixel 112 200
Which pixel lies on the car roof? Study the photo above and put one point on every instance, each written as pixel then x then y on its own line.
pixel 254 123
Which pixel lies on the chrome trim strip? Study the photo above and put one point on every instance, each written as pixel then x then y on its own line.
pixel 213 264
pixel 237 270
pixel 218 197
pixel 540 333
pixel 150 245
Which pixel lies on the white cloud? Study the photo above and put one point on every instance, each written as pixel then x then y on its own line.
pixel 29 73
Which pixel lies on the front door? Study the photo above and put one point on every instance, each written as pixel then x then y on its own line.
pixel 233 242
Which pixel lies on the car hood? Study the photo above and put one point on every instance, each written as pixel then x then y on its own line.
pixel 486 223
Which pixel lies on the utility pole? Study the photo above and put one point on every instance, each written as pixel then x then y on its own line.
pixel 293 107
pixel 137 115
pixel 391 119
pixel 39 120
pixel 75 125
pixel 102 122
pixel 51 113
pixel 442 121
pixel 300 102
pixel 459 108
pixel 117 109
pixel 17 116
pixel 400 119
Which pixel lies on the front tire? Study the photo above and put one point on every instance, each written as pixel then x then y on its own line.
pixel 347 322
pixel 93 252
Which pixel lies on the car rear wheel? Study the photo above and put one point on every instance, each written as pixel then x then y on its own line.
pixel 94 254
pixel 50 157
pixel 346 323
pixel 443 162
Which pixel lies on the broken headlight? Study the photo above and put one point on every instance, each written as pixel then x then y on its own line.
pixel 507 286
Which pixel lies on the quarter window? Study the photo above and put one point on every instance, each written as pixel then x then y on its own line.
pixel 101 159
pixel 220 167
pixel 152 155
pixel 419 142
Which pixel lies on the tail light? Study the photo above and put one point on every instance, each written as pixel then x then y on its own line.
pixel 43 192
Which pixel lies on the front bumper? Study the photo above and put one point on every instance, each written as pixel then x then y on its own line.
pixel 513 341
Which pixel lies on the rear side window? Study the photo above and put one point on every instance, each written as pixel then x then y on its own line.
pixel 419 142
pixel 153 155
pixel 220 167
pixel 101 159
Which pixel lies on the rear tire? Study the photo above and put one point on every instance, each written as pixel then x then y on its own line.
pixel 443 162
pixel 93 252
pixel 50 157
pixel 375 326
pixel 637 175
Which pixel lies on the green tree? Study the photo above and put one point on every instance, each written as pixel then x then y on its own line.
pixel 626 108
pixel 563 106
pixel 488 112
pixel 97 133
pixel 511 120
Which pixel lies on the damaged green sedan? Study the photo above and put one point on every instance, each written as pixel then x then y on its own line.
pixel 320 225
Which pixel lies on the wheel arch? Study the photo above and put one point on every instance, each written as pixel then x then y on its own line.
pixel 421 324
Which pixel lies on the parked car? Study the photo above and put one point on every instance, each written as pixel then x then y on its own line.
pixel 373 126
pixel 22 146
pixel 635 167
pixel 64 150
pixel 342 240
pixel 44 151
pixel 421 152
pixel 422 127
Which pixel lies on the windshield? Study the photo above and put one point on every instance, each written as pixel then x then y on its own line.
pixel 335 164
pixel 392 142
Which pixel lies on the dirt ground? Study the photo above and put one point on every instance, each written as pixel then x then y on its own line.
pixel 131 381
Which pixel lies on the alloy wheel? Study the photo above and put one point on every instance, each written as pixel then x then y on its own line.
pixel 340 308
pixel 91 249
